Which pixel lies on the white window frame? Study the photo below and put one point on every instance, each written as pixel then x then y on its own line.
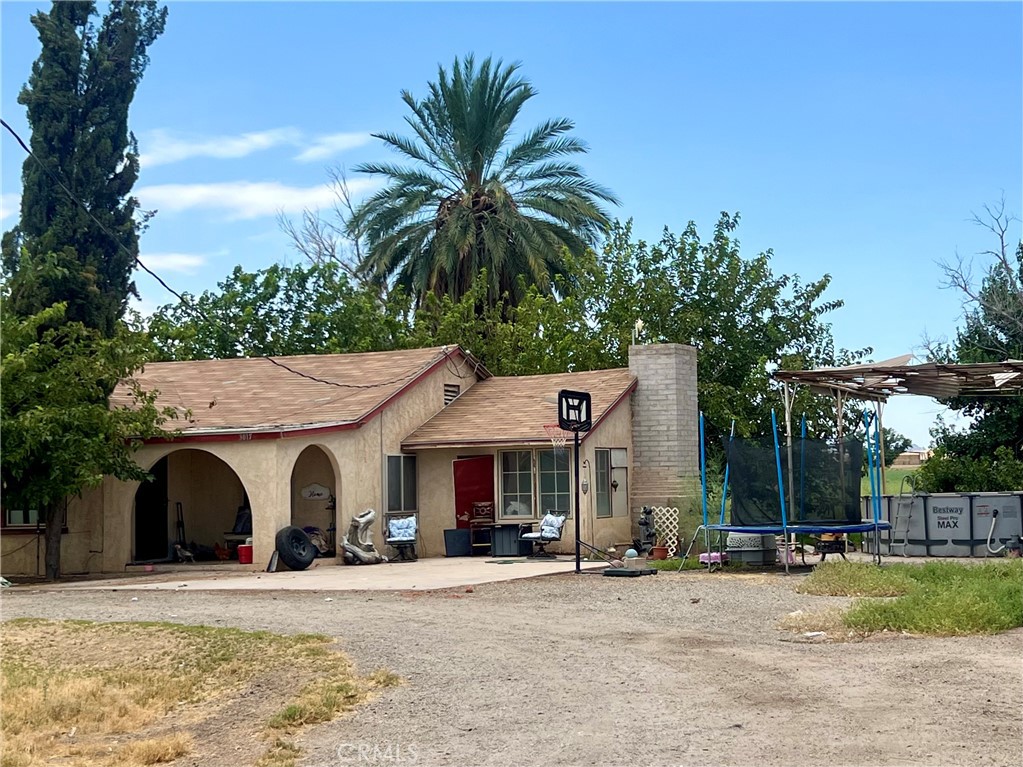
pixel 404 459
pixel 501 494
pixel 536 512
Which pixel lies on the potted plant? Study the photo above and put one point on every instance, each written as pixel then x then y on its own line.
pixel 659 550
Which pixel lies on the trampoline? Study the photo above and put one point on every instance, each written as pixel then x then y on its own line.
pixel 823 489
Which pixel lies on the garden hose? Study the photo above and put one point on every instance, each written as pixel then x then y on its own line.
pixel 990 532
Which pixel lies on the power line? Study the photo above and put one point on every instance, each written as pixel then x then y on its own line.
pixel 191 307
pixel 98 223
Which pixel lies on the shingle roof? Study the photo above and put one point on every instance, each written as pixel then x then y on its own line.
pixel 255 394
pixel 514 409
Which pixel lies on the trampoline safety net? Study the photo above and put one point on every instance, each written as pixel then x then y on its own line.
pixel 825 477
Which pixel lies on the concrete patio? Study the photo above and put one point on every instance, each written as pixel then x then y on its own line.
pixel 424 575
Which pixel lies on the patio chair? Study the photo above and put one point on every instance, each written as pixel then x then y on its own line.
pixel 401 535
pixel 551 527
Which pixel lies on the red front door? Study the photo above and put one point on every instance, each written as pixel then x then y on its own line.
pixel 474 481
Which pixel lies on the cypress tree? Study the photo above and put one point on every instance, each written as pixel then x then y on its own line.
pixel 77 98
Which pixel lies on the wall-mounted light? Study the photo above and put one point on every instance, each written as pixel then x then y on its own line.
pixel 585 484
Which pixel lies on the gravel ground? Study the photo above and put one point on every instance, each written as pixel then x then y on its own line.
pixel 677 669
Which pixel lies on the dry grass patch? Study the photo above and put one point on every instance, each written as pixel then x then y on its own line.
pixel 157 750
pixel 828 620
pixel 94 693
pixel 282 753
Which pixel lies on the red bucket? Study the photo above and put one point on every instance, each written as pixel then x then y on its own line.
pixel 244 554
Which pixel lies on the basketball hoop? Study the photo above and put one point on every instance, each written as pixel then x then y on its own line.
pixel 557 435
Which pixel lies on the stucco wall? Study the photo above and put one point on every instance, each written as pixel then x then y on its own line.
pixel 614 432
pixel 23 552
pixel 437 488
pixel 100 525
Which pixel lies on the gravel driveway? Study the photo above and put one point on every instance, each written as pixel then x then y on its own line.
pixel 586 670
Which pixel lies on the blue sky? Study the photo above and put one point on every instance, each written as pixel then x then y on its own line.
pixel 855 139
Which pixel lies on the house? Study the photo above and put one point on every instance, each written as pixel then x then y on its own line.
pixel 314 440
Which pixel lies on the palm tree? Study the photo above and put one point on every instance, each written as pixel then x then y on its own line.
pixel 473 200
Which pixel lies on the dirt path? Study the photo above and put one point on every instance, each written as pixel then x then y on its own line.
pixel 584 670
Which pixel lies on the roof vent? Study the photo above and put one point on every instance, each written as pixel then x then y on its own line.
pixel 451 392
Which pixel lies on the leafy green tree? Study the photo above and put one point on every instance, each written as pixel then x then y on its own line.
pixel 988 455
pixel 280 311
pixel 474 198
pixel 895 444
pixel 59 434
pixel 744 319
pixel 77 99
pixel 541 334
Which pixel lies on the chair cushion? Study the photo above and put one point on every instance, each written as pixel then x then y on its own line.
pixel 550 526
pixel 531 536
pixel 401 529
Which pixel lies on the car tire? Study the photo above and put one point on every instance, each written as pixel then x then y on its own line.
pixel 294 547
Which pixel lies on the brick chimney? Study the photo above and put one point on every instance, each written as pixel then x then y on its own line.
pixel 665 426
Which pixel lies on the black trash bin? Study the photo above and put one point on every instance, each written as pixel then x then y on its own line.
pixel 457 543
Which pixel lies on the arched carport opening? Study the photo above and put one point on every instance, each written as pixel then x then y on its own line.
pixel 194 498
pixel 314 497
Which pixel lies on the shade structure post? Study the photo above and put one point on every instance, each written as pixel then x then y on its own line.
pixel 879 407
pixel 788 395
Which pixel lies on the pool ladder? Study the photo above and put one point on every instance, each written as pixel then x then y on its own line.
pixel 899 535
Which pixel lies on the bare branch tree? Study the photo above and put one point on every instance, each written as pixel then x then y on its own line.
pixel 997 297
pixel 322 240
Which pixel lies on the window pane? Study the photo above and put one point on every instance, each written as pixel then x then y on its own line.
pixel 525 464
pixel 602 482
pixel 508 461
pixel 548 483
pixel 561 462
pixel 409 483
pixel 394 483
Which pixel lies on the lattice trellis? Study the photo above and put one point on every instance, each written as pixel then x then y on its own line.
pixel 666 525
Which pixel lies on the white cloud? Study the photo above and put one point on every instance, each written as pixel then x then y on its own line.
pixel 10 205
pixel 244 199
pixel 160 147
pixel 324 147
pixel 182 263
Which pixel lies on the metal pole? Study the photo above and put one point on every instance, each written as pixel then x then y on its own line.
pixel 703 470
pixel 724 489
pixel 788 395
pixel 578 513
pixel 879 407
pixel 781 487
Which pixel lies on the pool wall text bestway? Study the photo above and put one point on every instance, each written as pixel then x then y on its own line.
pixel 949 524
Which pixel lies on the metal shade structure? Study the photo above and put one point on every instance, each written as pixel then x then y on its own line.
pixel 877 381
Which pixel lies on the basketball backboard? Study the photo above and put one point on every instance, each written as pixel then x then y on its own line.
pixel 574 410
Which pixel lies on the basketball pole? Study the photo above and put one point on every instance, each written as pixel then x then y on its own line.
pixel 578 510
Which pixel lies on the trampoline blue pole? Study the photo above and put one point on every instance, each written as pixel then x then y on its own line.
pixel 703 469
pixel 870 468
pixel 777 463
pixel 724 490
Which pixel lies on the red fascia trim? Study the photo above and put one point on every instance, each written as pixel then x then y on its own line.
pixel 518 440
pixel 249 436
